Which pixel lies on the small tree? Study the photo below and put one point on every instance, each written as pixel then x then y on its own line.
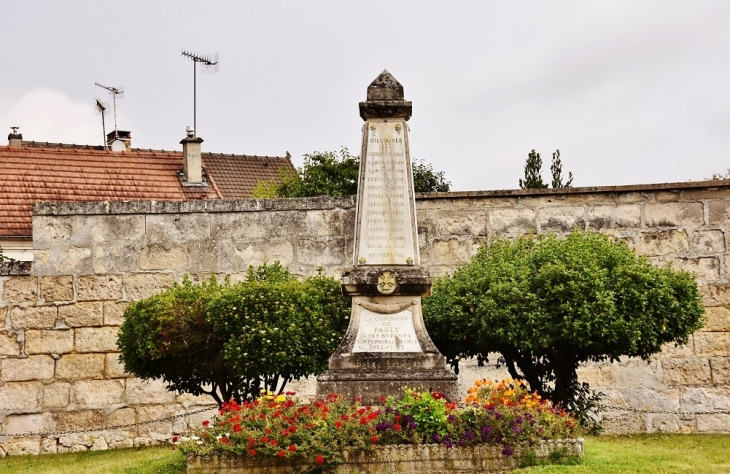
pixel 336 174
pixel 231 341
pixel 323 174
pixel 556 170
pixel 548 304
pixel 426 180
pixel 533 172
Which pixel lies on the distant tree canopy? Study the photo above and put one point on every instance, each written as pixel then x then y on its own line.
pixel 533 172
pixel 336 174
pixel 719 176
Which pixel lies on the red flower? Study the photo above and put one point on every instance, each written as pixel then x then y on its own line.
pixel 290 393
pixel 358 399
pixel 382 399
pixel 373 439
pixel 251 441
pixel 292 448
pixel 225 440
pixel 363 421
pixel 396 417
pixel 265 439
pixel 206 423
pixel 437 395
pixel 293 429
pixel 267 431
pixel 345 417
pixel 338 424
pixel 252 452
pixel 272 442
pixel 319 459
pixel 373 415
pixel 262 415
pixel 236 427
pixel 396 427
pixel 174 439
pixel 281 454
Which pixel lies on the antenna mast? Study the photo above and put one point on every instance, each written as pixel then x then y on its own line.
pixel 210 66
pixel 114 91
pixel 101 108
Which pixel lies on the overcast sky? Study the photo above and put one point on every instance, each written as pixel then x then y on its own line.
pixel 629 91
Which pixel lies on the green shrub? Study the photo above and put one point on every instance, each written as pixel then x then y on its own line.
pixel 548 304
pixel 231 341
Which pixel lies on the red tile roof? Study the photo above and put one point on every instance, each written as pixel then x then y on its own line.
pixel 236 176
pixel 32 174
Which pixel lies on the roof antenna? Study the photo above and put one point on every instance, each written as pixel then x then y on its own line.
pixel 114 91
pixel 210 66
pixel 101 108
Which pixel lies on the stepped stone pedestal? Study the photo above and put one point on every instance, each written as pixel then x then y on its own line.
pixel 386 346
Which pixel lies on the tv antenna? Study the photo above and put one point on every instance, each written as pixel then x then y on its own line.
pixel 114 91
pixel 101 108
pixel 210 66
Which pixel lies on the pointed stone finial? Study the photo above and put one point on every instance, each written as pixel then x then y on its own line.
pixel 385 99
pixel 385 87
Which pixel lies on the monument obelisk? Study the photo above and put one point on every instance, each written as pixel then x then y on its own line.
pixel 386 346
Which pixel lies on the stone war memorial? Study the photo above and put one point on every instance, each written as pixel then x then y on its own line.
pixel 386 345
pixel 62 387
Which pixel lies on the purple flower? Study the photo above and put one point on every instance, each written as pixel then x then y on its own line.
pixel 436 437
pixel 386 425
pixel 497 415
pixel 469 435
pixel 451 418
pixel 388 409
pixel 412 425
pixel 448 444
pixel 507 451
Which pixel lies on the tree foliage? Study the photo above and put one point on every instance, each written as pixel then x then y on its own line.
pixel 556 170
pixel 231 341
pixel 336 174
pixel 548 304
pixel 533 173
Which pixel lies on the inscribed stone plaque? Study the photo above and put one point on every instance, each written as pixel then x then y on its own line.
pixel 386 215
pixel 386 333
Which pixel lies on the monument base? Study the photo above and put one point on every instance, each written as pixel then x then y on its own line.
pixel 386 348
pixel 372 375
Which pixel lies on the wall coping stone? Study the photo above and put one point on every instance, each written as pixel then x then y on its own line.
pixel 328 202
pixel 15 268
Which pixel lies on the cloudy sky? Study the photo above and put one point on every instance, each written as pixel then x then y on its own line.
pixel 629 91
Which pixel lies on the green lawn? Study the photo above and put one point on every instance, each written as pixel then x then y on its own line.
pixel 151 460
pixel 665 454
pixel 651 454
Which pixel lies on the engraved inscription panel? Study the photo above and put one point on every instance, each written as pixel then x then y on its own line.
pixel 386 221
pixel 386 333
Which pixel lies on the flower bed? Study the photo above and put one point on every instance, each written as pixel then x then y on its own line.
pixel 402 459
pixel 499 424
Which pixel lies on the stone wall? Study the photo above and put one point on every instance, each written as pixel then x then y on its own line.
pixel 59 369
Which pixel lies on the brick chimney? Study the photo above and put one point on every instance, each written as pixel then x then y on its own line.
pixel 192 165
pixel 15 139
pixel 119 140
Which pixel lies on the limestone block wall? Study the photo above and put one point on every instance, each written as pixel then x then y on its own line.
pixel 62 387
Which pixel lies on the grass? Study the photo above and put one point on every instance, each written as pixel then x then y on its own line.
pixel 650 454
pixel 150 460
